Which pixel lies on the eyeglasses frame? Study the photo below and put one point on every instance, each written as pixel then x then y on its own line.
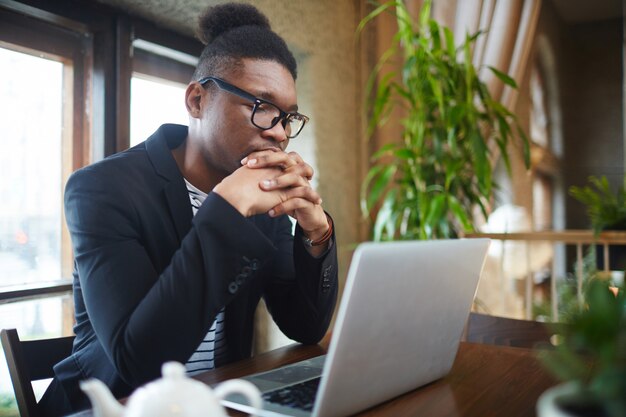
pixel 283 115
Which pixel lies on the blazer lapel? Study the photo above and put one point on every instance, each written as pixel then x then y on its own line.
pixel 159 147
pixel 180 207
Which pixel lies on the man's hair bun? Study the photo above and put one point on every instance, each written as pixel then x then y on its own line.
pixel 220 19
pixel 235 31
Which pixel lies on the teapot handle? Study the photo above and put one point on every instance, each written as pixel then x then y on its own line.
pixel 240 386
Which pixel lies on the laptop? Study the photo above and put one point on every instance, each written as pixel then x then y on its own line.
pixel 398 327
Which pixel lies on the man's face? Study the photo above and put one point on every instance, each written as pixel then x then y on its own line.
pixel 228 132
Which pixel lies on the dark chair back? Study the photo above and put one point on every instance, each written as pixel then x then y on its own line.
pixel 503 331
pixel 31 360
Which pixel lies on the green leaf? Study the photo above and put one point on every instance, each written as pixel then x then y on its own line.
pixel 384 150
pixel 380 9
pixel 451 47
pixel 404 153
pixel 381 106
pixel 455 115
pixel 424 15
pixel 435 211
pixel 472 38
pixel 460 213
pixel 372 173
pixel 504 77
pixel 435 35
pixel 481 162
pixel 385 219
pixel 502 141
pixel 404 94
pixel 378 184
pixel 452 140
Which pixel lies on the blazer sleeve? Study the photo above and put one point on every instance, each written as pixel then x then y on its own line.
pixel 302 303
pixel 143 317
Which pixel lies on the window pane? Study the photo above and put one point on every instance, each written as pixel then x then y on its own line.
pixel 36 319
pixel 538 112
pixel 31 101
pixel 154 101
pixel 542 202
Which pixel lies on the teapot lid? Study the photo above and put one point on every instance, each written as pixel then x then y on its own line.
pixel 174 394
pixel 173 370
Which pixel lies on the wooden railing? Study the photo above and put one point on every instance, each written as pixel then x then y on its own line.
pixel 577 238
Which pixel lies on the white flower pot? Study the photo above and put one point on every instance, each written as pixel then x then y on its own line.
pixel 547 405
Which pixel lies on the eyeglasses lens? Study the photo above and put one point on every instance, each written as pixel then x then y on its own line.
pixel 294 126
pixel 266 115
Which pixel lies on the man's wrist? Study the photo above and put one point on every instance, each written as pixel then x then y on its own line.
pixel 239 204
pixel 321 237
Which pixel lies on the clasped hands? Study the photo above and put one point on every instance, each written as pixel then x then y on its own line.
pixel 276 182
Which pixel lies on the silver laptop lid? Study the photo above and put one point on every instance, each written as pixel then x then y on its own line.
pixel 400 320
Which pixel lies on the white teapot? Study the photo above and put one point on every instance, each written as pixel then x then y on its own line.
pixel 173 395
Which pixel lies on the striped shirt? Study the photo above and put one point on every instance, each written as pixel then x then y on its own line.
pixel 214 344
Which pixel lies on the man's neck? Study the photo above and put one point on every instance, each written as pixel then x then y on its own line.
pixel 195 168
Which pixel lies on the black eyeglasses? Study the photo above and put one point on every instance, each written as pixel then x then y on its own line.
pixel 265 114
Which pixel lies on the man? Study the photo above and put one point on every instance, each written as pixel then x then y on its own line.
pixel 177 239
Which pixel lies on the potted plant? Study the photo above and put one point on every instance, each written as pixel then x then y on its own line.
pixel 428 185
pixel 590 357
pixel 607 211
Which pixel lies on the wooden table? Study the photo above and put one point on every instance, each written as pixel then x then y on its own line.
pixel 485 381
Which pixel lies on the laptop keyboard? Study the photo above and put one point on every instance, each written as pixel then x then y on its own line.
pixel 301 395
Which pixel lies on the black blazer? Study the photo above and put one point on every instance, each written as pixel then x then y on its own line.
pixel 150 278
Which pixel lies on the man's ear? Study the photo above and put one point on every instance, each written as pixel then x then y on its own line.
pixel 194 96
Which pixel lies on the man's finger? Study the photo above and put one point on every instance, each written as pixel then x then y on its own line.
pixel 303 169
pixel 289 206
pixel 268 158
pixel 288 180
pixel 306 193
pixel 295 155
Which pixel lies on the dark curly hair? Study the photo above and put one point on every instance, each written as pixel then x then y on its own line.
pixel 234 31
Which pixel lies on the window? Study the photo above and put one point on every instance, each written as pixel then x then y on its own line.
pixel 157 88
pixel 538 110
pixel 31 183
pixel 544 162
pixel 43 98
pixel 154 101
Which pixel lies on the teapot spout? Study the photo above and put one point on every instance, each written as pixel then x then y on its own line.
pixel 103 402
